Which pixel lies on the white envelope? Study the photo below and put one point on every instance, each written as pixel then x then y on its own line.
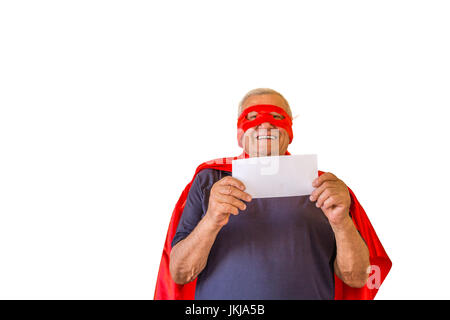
pixel 277 176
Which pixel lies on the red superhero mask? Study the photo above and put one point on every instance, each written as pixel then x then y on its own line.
pixel 264 115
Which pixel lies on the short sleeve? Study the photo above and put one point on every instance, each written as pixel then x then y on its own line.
pixel 192 213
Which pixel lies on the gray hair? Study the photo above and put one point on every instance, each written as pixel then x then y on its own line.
pixel 261 91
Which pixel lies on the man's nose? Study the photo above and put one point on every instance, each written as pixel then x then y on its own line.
pixel 266 125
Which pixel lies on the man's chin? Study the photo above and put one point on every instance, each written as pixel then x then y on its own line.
pixel 262 150
pixel 267 150
pixel 267 153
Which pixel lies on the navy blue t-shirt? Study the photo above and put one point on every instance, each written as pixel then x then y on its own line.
pixel 278 248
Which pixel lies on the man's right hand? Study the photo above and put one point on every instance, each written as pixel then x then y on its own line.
pixel 225 199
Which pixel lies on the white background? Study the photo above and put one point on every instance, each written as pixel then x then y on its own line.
pixel 107 107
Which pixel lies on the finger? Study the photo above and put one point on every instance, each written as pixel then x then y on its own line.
pixel 318 191
pixel 228 208
pixel 327 176
pixel 231 200
pixel 324 196
pixel 327 204
pixel 228 180
pixel 233 191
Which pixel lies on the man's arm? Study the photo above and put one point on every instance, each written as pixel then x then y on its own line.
pixel 352 258
pixel 189 256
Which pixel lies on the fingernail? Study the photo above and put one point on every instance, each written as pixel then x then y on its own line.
pixel 311 198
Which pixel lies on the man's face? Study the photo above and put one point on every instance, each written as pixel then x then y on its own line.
pixel 265 139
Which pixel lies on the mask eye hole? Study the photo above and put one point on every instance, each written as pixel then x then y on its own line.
pixel 277 116
pixel 252 115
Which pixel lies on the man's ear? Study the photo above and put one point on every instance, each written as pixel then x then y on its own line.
pixel 240 137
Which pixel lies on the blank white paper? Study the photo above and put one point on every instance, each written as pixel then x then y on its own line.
pixel 277 176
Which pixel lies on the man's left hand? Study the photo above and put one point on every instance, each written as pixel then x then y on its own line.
pixel 332 197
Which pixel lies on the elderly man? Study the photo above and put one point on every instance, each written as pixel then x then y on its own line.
pixel 236 247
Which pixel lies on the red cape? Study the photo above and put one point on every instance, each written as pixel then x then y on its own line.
pixel 167 289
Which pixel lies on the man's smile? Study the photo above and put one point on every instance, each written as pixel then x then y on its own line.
pixel 266 137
